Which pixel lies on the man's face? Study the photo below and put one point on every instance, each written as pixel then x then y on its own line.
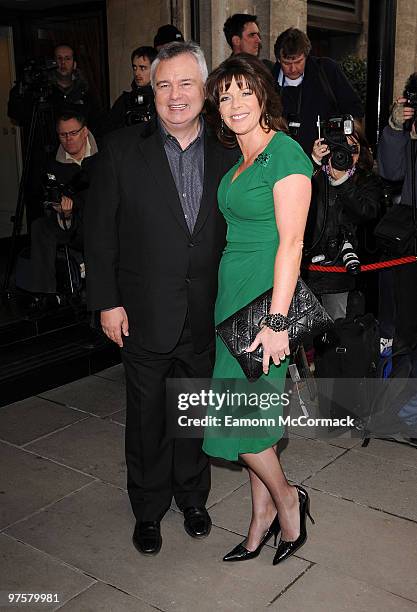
pixel 141 67
pixel 293 67
pixel 64 57
pixel 179 91
pixel 250 41
pixel 73 136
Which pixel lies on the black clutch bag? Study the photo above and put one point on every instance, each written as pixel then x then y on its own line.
pixel 306 316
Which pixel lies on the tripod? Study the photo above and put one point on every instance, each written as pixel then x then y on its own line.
pixel 41 126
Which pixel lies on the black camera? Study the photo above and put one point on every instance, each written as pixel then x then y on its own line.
pixel 55 190
pixel 140 107
pixel 335 132
pixel 294 124
pixel 410 93
pixel 36 76
pixel 340 247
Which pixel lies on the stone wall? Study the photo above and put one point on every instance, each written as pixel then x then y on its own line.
pixel 130 24
pixel 285 14
pixel 405 43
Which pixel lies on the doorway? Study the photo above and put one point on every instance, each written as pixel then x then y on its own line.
pixel 10 150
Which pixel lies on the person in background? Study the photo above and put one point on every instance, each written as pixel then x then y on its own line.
pixel 394 164
pixel 165 35
pixel 243 36
pixel 136 105
pixel 59 87
pixel 353 199
pixel 310 87
pixel 62 221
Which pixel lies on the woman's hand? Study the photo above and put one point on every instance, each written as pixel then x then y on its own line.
pixel 275 345
pixel 320 150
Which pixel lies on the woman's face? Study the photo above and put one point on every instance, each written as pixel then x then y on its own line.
pixel 239 108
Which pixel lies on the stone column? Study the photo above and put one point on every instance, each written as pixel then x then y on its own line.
pixel 286 14
pixel 130 24
pixel 405 43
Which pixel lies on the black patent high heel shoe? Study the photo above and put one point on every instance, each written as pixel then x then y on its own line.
pixel 240 553
pixel 286 549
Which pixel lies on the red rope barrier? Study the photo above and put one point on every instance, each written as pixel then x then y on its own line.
pixel 366 268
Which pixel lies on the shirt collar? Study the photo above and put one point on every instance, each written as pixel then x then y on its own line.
pixel 284 82
pixel 87 153
pixel 166 136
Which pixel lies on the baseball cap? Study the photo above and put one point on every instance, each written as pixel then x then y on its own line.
pixel 166 34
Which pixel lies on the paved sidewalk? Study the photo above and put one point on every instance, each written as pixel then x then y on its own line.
pixel 66 524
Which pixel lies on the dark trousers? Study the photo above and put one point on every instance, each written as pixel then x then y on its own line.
pixel 405 284
pixel 159 468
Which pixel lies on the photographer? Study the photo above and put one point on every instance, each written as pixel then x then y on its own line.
pixel 310 86
pixel 137 105
pixel 66 186
pixel 346 195
pixel 60 83
pixel 395 164
pixel 45 89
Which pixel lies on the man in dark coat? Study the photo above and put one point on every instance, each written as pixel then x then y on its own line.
pixel 310 87
pixel 137 105
pixel 154 236
pixel 61 89
pixel 62 221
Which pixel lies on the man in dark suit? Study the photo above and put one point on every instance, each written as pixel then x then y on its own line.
pixel 153 241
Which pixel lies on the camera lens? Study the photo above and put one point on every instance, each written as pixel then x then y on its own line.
pixel 350 259
pixel 341 159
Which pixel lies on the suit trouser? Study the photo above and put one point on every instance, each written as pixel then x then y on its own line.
pixel 159 468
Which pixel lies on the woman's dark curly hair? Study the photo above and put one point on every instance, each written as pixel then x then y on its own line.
pixel 248 71
pixel 365 161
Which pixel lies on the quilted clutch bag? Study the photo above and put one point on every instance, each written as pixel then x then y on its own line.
pixel 306 317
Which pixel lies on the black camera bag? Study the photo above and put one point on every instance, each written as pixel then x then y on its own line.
pixel 396 232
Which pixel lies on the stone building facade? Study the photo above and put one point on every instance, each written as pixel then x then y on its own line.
pixel 133 22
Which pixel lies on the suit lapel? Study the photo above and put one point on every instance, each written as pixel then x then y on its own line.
pixel 153 152
pixel 212 155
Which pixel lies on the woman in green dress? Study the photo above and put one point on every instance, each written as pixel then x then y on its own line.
pixel 265 199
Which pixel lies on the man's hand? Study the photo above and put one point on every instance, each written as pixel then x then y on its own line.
pixel 65 207
pixel 400 114
pixel 114 323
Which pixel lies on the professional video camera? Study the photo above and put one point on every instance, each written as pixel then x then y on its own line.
pixel 35 76
pixel 140 107
pixel 54 190
pixel 335 132
pixel 410 93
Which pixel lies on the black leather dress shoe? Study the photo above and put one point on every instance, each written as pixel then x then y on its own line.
pixel 147 537
pixel 197 522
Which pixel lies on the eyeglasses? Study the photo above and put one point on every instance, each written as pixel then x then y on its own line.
pixel 63 135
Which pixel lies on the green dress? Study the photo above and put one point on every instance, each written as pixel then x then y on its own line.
pixel 247 264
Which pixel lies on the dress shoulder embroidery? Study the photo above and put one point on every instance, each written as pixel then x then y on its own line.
pixel 263 159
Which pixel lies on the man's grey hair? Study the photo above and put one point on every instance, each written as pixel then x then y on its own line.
pixel 179 48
